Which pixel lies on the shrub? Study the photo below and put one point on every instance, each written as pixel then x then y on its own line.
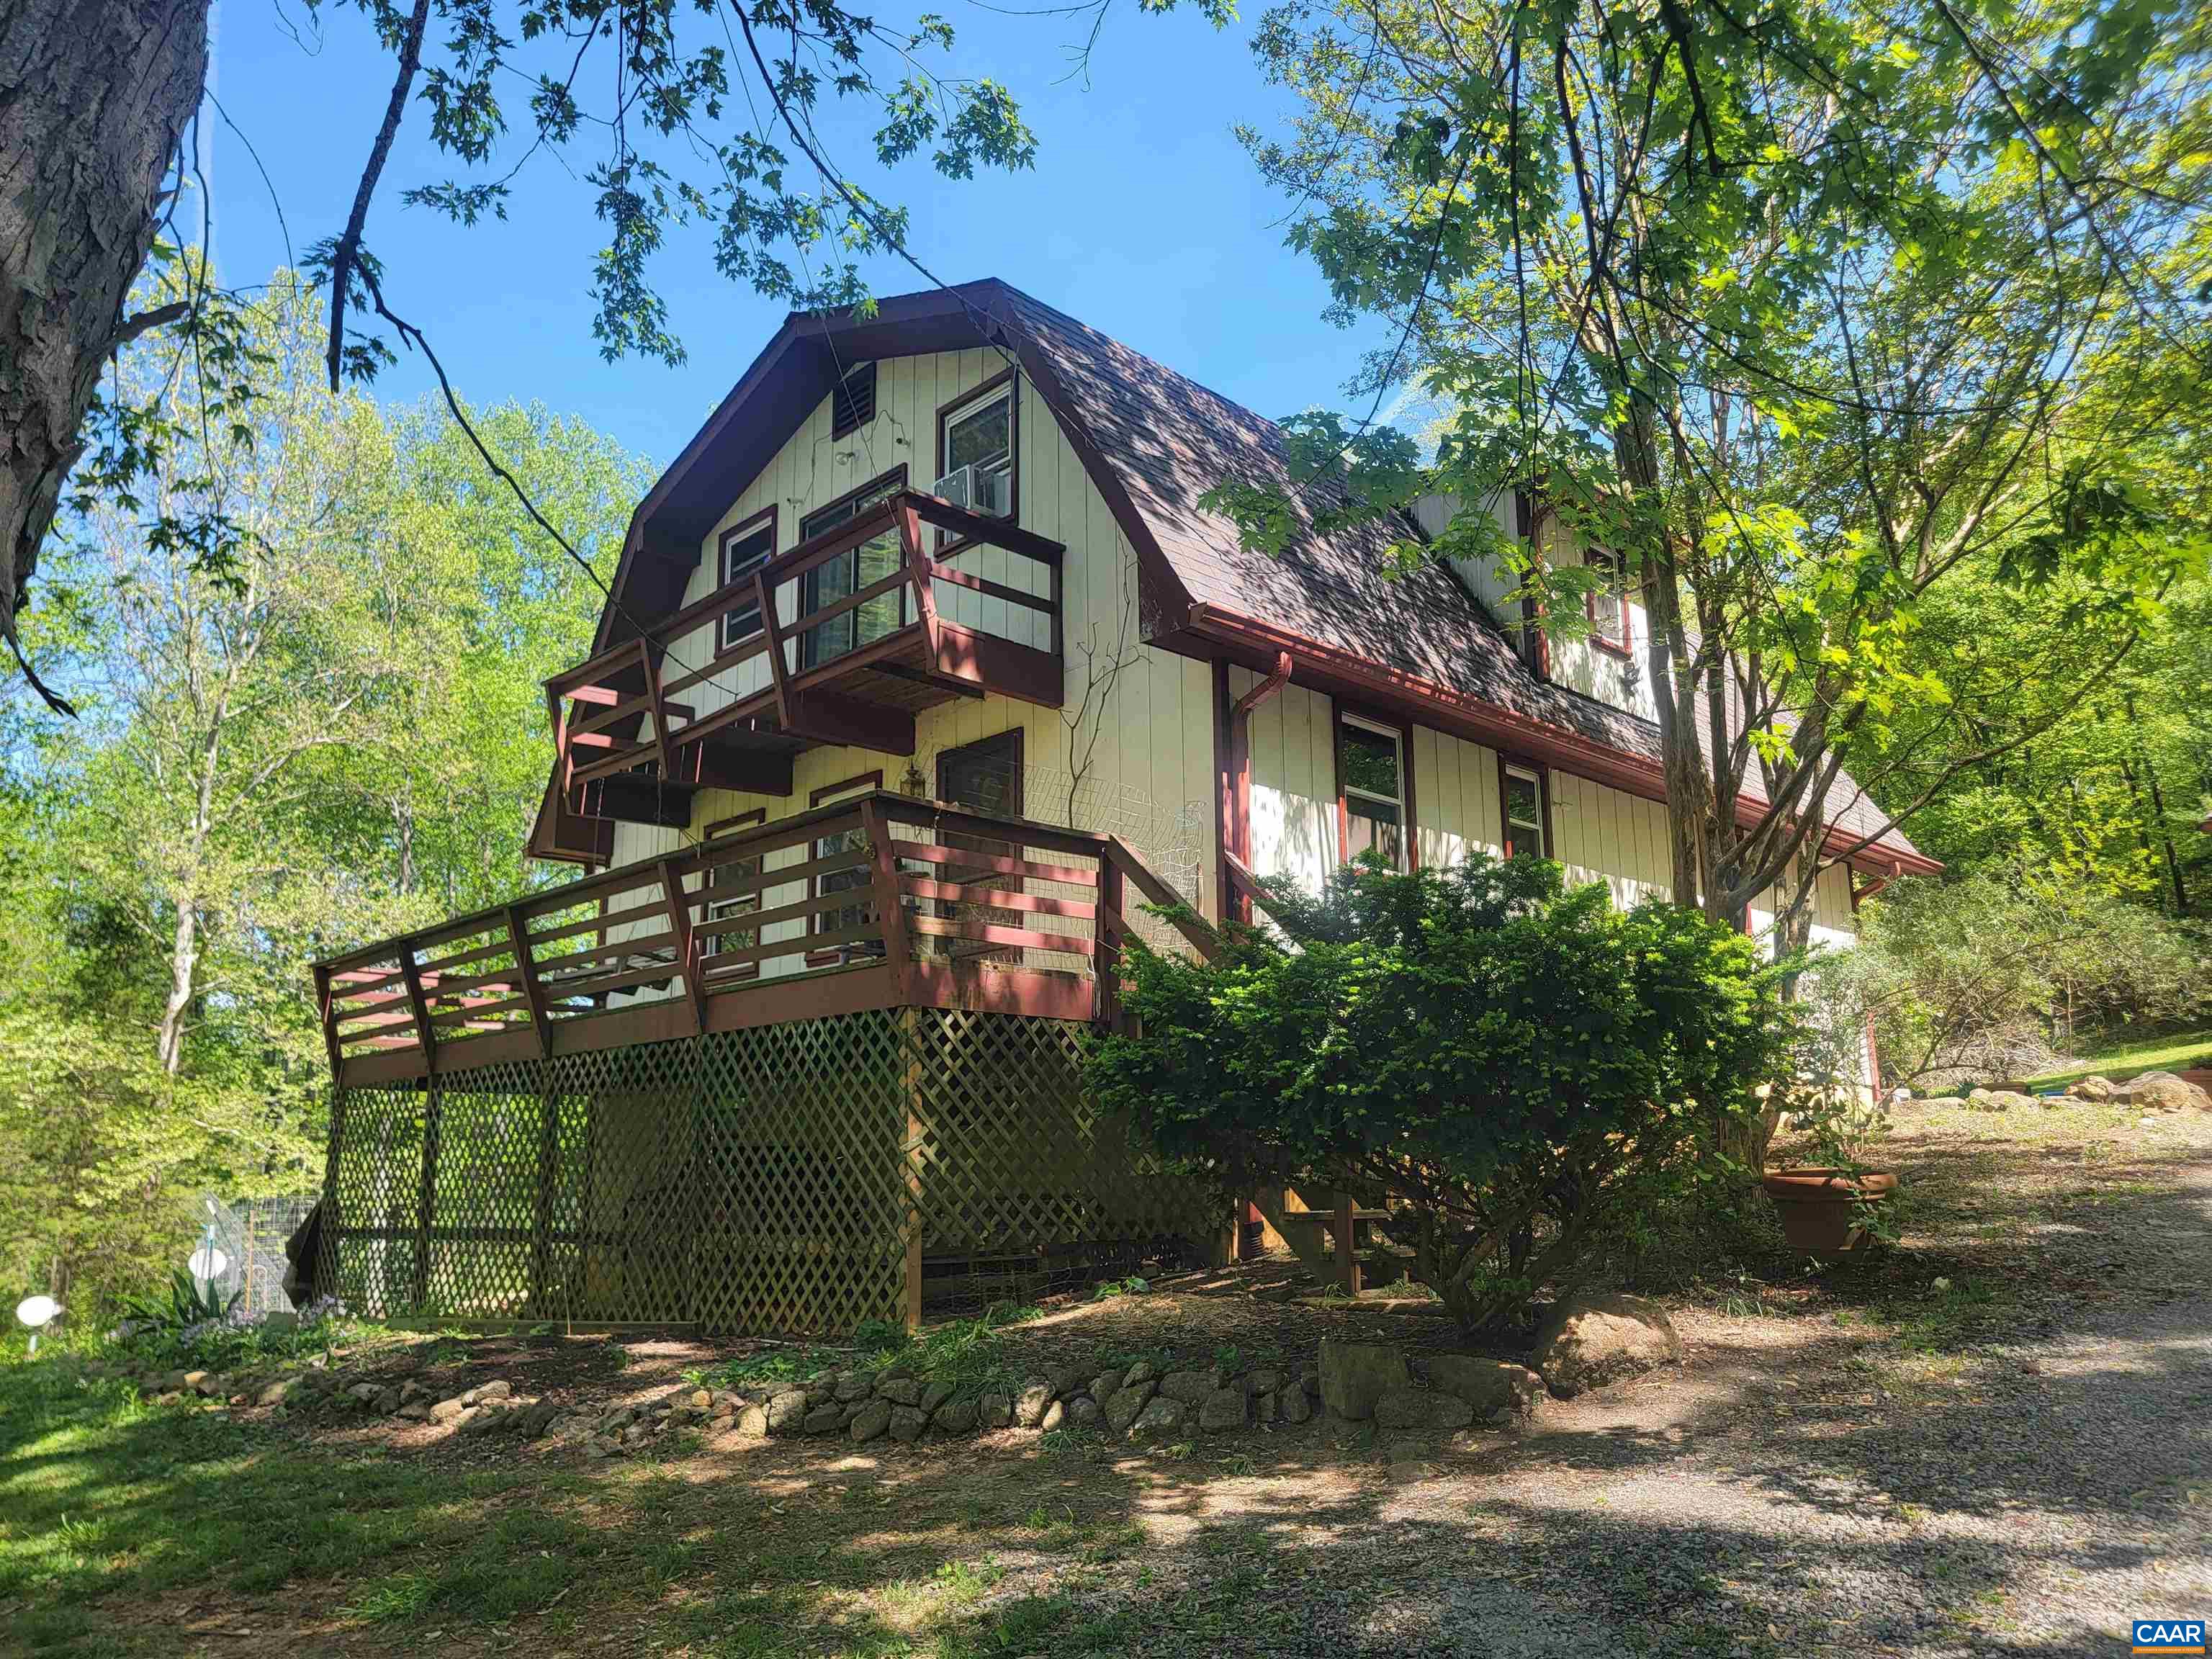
pixel 1530 1071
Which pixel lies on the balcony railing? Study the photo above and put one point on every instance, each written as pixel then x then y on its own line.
pixel 682 707
pixel 880 901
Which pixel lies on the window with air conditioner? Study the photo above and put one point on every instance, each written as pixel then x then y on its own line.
pixel 976 452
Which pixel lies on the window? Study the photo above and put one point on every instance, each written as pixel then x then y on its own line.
pixel 1607 605
pixel 860 877
pixel 975 450
pixel 745 548
pixel 985 777
pixel 1371 763
pixel 1524 813
pixel 849 571
pixel 853 404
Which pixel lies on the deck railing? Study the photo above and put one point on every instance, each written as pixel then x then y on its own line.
pixel 655 698
pixel 882 901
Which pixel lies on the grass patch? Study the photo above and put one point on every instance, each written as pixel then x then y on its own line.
pixel 2165 1054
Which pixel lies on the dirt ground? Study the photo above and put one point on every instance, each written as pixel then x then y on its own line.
pixel 1994 1438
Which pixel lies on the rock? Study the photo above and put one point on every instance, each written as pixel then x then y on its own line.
pixel 2161 1092
pixel 176 1381
pixel 753 1423
pixel 874 1419
pixel 935 1395
pixel 820 1392
pixel 1164 1417
pixel 207 1383
pixel 2092 1087
pixel 1124 1405
pixel 1222 1411
pixel 1266 1408
pixel 957 1417
pixel 995 1411
pixel 1143 1372
pixel 447 1410
pixel 1030 1405
pixel 1084 1412
pixel 828 1417
pixel 278 1392
pixel 1309 1380
pixel 1421 1408
pixel 1493 1388
pixel 1054 1415
pixel 1263 1381
pixel 534 1420
pixel 1191 1387
pixel 1067 1380
pixel 416 1411
pixel 1997 1100
pixel 900 1390
pixel 1295 1403
pixel 702 1399
pixel 721 1425
pixel 386 1402
pixel 486 1418
pixel 498 1389
pixel 908 1423
pixel 1590 1340
pixel 1103 1385
pixel 410 1389
pixel 785 1411
pixel 1355 1374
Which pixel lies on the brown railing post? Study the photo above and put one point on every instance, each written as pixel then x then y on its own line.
pixel 327 1006
pixel 890 914
pixel 526 967
pixel 660 710
pixel 420 1006
pixel 1106 944
pixel 679 933
pixel 779 670
pixel 923 568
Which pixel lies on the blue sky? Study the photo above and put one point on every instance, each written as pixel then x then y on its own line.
pixel 1143 217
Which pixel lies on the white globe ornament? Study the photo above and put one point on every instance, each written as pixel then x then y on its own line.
pixel 208 1262
pixel 37 1312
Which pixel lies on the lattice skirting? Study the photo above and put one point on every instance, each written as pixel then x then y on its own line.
pixel 789 1178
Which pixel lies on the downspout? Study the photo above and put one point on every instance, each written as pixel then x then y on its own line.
pixel 1238 840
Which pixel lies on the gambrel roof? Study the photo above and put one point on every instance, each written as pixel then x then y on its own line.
pixel 1154 442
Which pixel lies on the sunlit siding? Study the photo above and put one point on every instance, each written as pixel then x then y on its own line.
pixel 1294 830
pixel 1455 805
pixel 1602 835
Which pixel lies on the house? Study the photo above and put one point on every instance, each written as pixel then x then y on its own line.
pixel 923 671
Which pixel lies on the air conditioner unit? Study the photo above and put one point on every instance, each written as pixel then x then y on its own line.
pixel 956 486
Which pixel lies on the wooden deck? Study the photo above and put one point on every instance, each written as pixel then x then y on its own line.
pixel 643 725
pixel 881 902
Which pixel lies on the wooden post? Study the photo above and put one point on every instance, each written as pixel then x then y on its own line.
pixel 1107 943
pixel 327 1006
pixel 412 975
pixel 908 1022
pixel 779 671
pixel 426 1197
pixel 679 933
pixel 526 966
pixel 541 1209
pixel 890 914
pixel 1347 1260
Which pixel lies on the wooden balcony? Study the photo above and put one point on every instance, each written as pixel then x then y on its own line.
pixel 880 901
pixel 688 706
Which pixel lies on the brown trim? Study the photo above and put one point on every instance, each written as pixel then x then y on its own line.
pixel 1625 645
pixel 871 780
pixel 1527 739
pixel 1406 788
pixel 1236 841
pixel 742 821
pixel 737 533
pixel 1508 764
pixel 1225 791
pixel 1010 378
pixel 894 478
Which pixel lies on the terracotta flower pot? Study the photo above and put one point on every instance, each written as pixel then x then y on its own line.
pixel 1823 1211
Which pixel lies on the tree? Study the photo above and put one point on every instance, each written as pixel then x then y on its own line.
pixel 1533 1073
pixel 1799 309
pixel 98 144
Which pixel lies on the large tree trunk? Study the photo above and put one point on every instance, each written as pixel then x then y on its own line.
pixel 96 92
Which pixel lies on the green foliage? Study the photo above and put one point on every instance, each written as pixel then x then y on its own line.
pixel 1984 979
pixel 190 1302
pixel 1528 1067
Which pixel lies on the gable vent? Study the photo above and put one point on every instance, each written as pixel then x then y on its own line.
pixel 855 404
